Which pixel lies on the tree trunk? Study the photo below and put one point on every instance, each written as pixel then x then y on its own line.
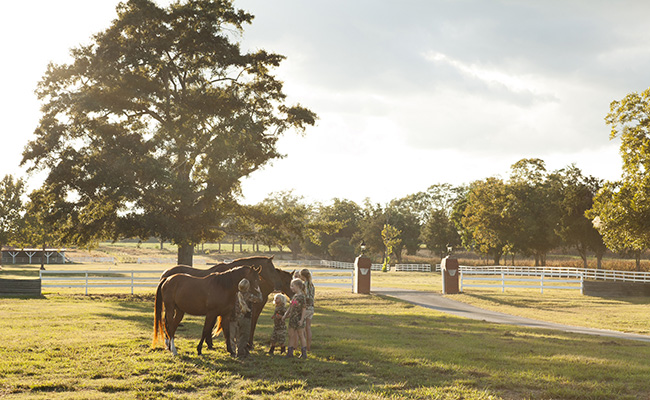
pixel 599 261
pixel 582 250
pixel 185 254
pixel 638 261
pixel 241 244
pixel 497 258
pixel 161 244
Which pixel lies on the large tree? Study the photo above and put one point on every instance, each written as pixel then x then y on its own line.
pixel 148 131
pixel 621 210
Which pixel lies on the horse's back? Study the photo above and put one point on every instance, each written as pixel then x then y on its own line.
pixel 186 269
pixel 187 292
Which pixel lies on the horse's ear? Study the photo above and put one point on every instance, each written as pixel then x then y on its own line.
pixel 271 258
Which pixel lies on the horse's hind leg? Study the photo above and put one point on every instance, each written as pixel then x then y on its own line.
pixel 225 321
pixel 171 324
pixel 210 320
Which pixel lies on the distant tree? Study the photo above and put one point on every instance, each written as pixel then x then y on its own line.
pixel 11 207
pixel 341 250
pixel 391 238
pixel 438 232
pixel 291 221
pixel 370 227
pixel 484 219
pixel 401 215
pixel 346 215
pixel 531 210
pixel 575 229
pixel 151 127
pixel 35 230
pixel 621 210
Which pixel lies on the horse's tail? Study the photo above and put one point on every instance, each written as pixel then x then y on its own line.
pixel 217 327
pixel 158 328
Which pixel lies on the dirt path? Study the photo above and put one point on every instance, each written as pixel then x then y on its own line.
pixel 440 303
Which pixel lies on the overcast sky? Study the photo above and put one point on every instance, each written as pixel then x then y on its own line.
pixel 408 93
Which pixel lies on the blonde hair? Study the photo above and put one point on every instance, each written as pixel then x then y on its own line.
pixel 244 285
pixel 298 282
pixel 305 273
pixel 281 297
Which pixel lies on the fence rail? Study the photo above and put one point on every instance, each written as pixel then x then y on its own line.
pixel 521 279
pixel 587 273
pixel 99 279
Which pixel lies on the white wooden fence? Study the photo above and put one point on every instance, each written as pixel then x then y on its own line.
pixel 521 279
pixel 101 279
pixel 587 273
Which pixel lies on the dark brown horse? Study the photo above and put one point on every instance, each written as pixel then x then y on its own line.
pixel 213 296
pixel 285 287
pixel 265 263
pixel 270 282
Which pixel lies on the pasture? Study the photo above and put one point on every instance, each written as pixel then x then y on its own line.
pixel 66 345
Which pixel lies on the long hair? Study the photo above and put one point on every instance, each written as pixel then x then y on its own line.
pixel 305 273
pixel 301 285
pixel 244 285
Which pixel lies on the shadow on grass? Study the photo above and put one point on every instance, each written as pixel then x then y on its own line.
pixel 376 345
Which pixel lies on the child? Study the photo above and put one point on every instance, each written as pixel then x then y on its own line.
pixel 240 320
pixel 279 326
pixel 296 314
pixel 310 291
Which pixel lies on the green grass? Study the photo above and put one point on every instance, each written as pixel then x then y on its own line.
pixel 365 347
pixel 569 307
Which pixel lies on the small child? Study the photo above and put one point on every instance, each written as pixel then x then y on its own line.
pixel 240 320
pixel 279 326
pixel 296 314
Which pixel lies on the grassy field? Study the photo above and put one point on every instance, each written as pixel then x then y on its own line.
pixel 365 347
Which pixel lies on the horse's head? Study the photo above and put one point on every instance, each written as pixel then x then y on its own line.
pixel 253 276
pixel 269 272
pixel 285 279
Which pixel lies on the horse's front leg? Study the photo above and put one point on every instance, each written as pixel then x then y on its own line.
pixel 257 310
pixel 210 320
pixel 225 324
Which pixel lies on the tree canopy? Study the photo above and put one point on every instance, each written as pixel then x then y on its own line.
pixel 621 210
pixel 151 127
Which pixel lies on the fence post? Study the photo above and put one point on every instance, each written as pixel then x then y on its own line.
pixel 582 283
pixel 541 282
pixel 86 283
pixel 131 282
pixel 503 282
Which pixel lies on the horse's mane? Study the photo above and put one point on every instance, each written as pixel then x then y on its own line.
pixel 251 258
pixel 231 277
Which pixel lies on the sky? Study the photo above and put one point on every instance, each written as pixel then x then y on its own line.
pixel 408 94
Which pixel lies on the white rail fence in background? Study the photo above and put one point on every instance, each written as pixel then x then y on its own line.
pixel 521 279
pixel 587 273
pixel 99 279
pixel 102 279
